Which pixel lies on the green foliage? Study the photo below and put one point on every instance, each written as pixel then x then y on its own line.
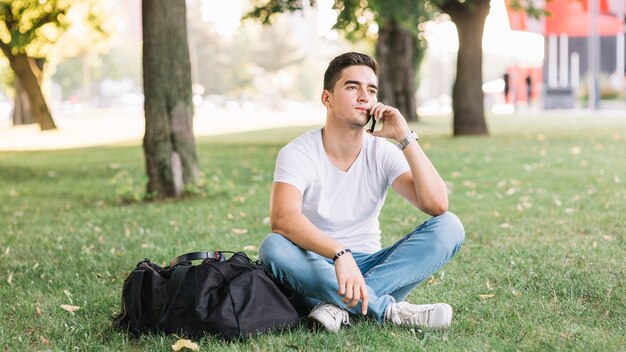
pixel 533 8
pixel 265 10
pixel 31 26
pixel 55 30
pixel 91 26
pixel 357 18
pixel 542 267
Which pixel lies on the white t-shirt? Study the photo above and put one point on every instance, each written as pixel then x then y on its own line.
pixel 344 205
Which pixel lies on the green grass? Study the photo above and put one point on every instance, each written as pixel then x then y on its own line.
pixel 543 201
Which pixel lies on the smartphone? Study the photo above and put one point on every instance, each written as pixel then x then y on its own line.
pixel 373 123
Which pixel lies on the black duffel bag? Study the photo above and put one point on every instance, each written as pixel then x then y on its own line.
pixel 233 298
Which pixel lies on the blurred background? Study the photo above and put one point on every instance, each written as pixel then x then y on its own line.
pixel 244 67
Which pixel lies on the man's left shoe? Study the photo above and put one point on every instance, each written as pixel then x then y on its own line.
pixel 432 316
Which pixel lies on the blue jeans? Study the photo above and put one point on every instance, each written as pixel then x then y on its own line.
pixel 390 273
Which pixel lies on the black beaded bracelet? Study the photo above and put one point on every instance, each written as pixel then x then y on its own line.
pixel 340 253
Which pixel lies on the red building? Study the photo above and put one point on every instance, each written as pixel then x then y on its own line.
pixel 568 33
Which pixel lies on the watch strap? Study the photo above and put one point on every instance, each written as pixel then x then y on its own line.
pixel 406 140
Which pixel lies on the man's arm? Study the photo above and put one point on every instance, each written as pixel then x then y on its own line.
pixel 421 186
pixel 286 218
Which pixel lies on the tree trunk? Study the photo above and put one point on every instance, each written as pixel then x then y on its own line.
pixel 21 107
pixel 22 114
pixel 26 72
pixel 396 54
pixel 169 146
pixel 467 95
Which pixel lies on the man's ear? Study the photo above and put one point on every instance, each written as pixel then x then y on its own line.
pixel 326 98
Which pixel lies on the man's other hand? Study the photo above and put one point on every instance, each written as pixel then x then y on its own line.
pixel 352 285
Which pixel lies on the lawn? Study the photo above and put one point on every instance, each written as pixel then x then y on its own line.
pixel 543 267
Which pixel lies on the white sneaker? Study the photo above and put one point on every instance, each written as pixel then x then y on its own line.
pixel 433 316
pixel 329 316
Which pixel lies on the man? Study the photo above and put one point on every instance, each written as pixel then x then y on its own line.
pixel 329 187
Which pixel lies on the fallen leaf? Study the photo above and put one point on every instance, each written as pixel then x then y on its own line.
pixel 607 238
pixel 182 343
pixel 10 279
pixel 44 340
pixel 240 231
pixel 575 150
pixel 38 311
pixel 69 308
pixel 486 297
pixel 6 252
pixel 469 184
pixel 250 248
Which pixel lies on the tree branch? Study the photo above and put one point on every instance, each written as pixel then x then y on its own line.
pixel 6 49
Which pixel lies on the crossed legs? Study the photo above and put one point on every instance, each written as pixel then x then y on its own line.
pixel 390 274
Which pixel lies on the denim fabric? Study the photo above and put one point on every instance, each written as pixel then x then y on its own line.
pixel 390 273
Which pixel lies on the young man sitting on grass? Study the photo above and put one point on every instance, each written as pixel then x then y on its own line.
pixel 329 187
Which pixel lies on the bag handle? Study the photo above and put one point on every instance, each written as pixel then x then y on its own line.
pixel 135 300
pixel 217 255
pixel 173 287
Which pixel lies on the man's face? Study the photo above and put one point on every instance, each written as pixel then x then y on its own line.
pixel 353 95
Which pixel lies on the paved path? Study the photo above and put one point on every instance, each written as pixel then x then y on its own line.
pixel 101 127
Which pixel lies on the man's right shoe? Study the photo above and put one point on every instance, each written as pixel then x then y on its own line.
pixel 329 316
pixel 432 316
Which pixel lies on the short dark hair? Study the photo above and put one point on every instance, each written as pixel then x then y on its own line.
pixel 333 72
